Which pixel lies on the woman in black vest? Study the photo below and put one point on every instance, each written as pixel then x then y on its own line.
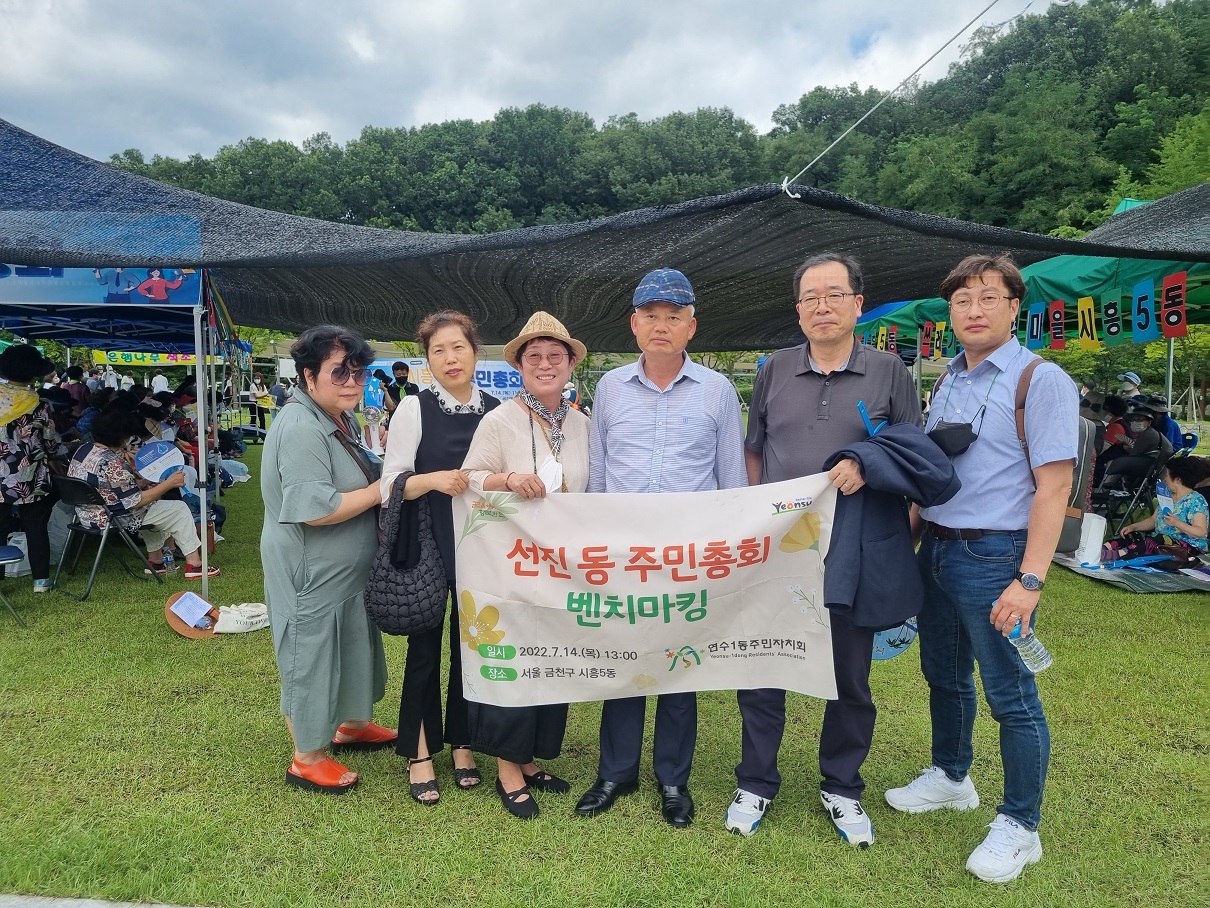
pixel 429 437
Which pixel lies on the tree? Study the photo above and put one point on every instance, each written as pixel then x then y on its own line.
pixel 674 158
pixel 933 173
pixel 1037 148
pixel 1184 156
pixel 1190 365
pixel 1134 141
pixel 541 147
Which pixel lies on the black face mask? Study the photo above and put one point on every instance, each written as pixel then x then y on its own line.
pixel 953 438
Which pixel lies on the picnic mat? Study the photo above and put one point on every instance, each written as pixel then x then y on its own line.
pixel 1139 581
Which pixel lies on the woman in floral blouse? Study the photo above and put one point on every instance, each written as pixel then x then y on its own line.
pixel 137 505
pixel 30 450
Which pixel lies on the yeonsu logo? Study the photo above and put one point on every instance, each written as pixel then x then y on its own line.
pixel 683 655
pixel 796 504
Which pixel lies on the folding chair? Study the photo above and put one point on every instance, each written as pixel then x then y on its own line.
pixel 78 493
pixel 10 554
pixel 1127 481
pixel 1189 441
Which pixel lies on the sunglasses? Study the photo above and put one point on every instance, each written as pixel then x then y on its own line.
pixel 340 375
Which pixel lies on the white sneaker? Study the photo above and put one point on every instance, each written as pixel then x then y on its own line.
pixel 851 821
pixel 43 586
pixel 1008 849
pixel 934 790
pixel 746 811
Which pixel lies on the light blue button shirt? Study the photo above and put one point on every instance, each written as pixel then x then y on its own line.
pixel 997 482
pixel 687 437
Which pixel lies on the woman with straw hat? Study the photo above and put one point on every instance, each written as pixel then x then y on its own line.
pixel 535 445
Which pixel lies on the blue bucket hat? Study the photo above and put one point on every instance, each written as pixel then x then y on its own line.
pixel 664 285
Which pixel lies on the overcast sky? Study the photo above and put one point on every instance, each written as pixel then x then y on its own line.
pixel 176 77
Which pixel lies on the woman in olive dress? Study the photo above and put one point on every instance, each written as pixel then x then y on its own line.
pixel 321 492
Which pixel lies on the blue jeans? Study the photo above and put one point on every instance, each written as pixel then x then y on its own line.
pixel 961 580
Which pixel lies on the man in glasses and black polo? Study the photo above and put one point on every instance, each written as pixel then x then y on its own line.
pixel 809 403
pixel 983 559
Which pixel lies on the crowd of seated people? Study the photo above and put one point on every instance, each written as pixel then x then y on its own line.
pixel 95 435
pixel 1130 435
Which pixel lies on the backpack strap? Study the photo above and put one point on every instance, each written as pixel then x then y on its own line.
pixel 1022 392
pixel 937 385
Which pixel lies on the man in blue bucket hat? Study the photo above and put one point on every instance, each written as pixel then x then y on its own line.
pixel 642 441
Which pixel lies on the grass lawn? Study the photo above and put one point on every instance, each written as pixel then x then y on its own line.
pixel 143 766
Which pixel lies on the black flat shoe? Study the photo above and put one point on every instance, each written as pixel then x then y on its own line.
pixel 678 805
pixel 601 796
pixel 426 793
pixel 522 810
pixel 469 777
pixel 545 781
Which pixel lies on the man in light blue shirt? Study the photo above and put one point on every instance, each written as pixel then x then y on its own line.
pixel 984 556
pixel 663 424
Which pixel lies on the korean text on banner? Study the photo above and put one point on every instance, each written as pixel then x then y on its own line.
pixel 1146 327
pixel 1087 320
pixel 594 597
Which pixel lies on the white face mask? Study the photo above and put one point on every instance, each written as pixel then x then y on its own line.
pixel 1138 426
pixel 1129 388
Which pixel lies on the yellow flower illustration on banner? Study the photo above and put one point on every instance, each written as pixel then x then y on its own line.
pixel 803 535
pixel 477 627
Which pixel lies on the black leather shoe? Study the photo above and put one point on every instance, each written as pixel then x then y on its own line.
pixel 601 796
pixel 678 805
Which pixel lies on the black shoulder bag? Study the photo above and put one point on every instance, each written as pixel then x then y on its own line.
pixel 407 589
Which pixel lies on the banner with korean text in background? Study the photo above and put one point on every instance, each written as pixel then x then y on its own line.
pixel 594 597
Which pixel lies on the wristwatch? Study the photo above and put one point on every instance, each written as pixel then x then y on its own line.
pixel 1031 582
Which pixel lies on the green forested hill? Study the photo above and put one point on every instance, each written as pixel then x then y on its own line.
pixel 1043 126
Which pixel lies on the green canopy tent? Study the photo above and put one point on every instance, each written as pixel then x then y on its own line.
pixel 1066 278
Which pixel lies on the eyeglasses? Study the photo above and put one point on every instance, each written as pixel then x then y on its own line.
pixel 834 299
pixel 987 301
pixel 535 358
pixel 341 374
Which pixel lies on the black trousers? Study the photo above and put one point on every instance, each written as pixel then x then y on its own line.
pixel 672 750
pixel 518 734
pixel 420 701
pixel 33 520
pixel 257 414
pixel 848 722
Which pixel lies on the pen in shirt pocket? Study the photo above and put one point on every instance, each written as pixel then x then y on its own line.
pixel 865 418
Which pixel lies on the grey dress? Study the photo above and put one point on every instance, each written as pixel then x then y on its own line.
pixel 329 653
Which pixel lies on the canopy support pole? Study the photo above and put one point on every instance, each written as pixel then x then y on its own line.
pixel 1168 377
pixel 212 391
pixel 203 447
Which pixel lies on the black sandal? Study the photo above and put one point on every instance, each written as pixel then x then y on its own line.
pixel 522 810
pixel 419 789
pixel 469 777
pixel 545 781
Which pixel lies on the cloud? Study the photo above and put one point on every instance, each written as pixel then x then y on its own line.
pixel 192 75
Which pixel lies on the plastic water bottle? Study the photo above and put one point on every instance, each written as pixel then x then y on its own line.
pixel 169 558
pixel 1035 656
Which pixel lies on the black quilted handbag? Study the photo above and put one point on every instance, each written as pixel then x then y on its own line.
pixel 407 589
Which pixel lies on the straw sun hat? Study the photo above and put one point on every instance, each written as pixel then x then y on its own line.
pixel 542 324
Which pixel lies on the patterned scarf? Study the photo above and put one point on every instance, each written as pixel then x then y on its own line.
pixel 556 421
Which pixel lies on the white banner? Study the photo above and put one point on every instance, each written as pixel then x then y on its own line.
pixel 492 376
pixel 594 597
